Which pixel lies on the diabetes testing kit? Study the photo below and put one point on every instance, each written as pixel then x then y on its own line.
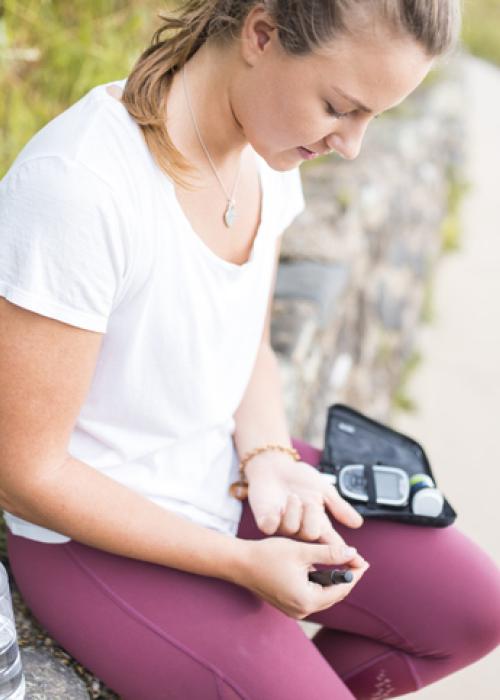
pixel 383 473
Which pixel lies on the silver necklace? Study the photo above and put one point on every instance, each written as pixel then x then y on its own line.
pixel 230 213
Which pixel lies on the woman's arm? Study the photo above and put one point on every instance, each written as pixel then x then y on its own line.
pixel 90 507
pixel 260 417
pixel 45 370
pixel 286 497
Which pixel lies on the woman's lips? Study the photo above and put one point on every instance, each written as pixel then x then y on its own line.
pixel 306 154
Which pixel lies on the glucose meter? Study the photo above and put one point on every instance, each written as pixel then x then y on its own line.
pixel 392 484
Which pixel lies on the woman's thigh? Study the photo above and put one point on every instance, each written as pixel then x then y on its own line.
pixel 154 633
pixel 428 591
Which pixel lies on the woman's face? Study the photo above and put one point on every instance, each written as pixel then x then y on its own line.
pixel 323 101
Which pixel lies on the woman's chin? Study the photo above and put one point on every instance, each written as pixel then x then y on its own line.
pixel 283 161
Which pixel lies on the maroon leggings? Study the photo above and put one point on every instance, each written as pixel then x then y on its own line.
pixel 428 606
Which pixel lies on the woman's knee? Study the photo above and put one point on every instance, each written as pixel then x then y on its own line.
pixel 476 616
pixel 466 613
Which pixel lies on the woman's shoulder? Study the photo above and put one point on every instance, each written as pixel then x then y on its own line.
pixel 91 136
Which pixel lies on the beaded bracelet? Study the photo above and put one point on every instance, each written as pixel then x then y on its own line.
pixel 239 489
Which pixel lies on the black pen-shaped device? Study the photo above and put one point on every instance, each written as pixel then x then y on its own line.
pixel 329 577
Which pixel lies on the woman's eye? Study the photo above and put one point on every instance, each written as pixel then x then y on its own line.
pixel 334 113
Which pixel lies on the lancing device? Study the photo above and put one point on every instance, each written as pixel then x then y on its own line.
pixel 329 577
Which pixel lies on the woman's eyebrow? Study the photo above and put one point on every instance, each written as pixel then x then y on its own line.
pixel 354 101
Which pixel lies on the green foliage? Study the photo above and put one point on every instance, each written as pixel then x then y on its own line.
pixel 401 400
pixel 481 30
pixel 427 312
pixel 53 51
pixel 451 227
pixel 450 233
pixel 344 198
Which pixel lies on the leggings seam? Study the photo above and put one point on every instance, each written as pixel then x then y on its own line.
pixel 218 681
pixel 117 600
pixel 367 664
pixel 409 648
pixel 370 613
pixel 416 678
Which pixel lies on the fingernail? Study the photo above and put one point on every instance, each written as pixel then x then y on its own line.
pixel 350 551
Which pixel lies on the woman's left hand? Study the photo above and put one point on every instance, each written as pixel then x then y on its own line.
pixel 293 498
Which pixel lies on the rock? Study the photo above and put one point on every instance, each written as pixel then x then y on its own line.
pixel 322 284
pixel 47 678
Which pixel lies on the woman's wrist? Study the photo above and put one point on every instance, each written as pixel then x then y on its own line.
pixel 267 461
pixel 240 572
pixel 264 457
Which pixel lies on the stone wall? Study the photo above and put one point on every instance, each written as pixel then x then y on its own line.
pixel 356 266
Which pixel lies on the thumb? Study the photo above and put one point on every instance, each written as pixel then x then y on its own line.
pixel 332 553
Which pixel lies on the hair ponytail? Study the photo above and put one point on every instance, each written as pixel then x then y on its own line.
pixel 147 87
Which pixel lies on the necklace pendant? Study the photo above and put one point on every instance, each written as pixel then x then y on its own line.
pixel 230 214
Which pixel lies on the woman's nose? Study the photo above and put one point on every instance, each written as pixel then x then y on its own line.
pixel 348 138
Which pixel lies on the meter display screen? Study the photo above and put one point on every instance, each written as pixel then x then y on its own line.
pixel 389 485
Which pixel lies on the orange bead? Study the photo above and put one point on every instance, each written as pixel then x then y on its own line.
pixel 239 489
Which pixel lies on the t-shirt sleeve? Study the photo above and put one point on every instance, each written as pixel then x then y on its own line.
pixel 293 198
pixel 64 244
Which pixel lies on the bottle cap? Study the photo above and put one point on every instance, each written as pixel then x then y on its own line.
pixel 428 502
pixel 421 479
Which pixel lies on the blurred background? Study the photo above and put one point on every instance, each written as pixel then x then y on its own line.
pixel 52 52
pixel 388 288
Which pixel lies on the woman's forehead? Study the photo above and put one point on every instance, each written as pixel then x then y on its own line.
pixel 376 74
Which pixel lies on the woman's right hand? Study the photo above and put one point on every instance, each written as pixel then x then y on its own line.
pixel 276 570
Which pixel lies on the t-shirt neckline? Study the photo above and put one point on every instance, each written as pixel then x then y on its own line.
pixel 195 237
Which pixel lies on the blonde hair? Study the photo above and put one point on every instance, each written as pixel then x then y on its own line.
pixel 303 26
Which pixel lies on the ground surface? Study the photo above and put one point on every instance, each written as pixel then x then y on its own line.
pixel 457 387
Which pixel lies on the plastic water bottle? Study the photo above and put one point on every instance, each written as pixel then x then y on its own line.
pixel 12 685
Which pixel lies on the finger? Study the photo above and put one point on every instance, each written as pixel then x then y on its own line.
pixel 313 521
pixel 267 506
pixel 341 509
pixel 329 595
pixel 330 536
pixel 269 522
pixel 292 517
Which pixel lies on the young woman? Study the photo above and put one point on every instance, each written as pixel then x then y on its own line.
pixel 140 237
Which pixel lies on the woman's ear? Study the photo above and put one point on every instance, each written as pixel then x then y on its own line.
pixel 257 34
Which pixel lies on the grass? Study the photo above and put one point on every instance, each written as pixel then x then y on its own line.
pixel 481 30
pixel 401 399
pixel 451 227
pixel 427 312
pixel 53 51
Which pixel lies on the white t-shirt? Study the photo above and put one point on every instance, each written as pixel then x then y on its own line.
pixel 92 234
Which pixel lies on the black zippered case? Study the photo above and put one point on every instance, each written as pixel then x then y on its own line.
pixel 353 438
